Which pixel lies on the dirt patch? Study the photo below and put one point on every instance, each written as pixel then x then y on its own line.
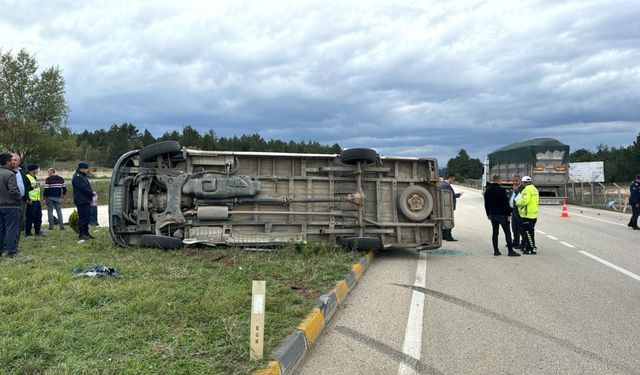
pixel 301 289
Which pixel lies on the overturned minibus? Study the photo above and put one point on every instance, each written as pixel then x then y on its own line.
pixel 168 196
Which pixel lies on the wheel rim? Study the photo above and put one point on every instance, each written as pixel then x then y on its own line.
pixel 416 202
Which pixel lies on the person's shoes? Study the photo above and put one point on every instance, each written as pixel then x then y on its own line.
pixel 519 247
pixel 51 229
pixel 90 236
pixel 11 255
pixel 526 252
pixel 84 237
pixel 61 228
pixel 496 252
pixel 636 228
pixel 28 235
pixel 533 251
pixel 450 239
pixel 630 225
pixel 513 254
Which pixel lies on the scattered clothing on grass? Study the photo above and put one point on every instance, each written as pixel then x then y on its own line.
pixel 96 270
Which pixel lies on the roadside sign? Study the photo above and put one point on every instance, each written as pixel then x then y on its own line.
pixel 256 345
pixel 592 171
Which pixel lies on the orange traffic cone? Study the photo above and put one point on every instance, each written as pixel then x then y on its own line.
pixel 565 213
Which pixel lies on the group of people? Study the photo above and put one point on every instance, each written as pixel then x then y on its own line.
pixel 521 207
pixel 21 200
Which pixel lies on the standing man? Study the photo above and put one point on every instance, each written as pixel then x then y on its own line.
pixel 496 205
pixel 446 184
pixel 528 208
pixel 54 193
pixel 634 202
pixel 34 207
pixel 10 199
pixel 516 220
pixel 82 194
pixel 23 186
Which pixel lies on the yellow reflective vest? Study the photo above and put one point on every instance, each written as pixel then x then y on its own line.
pixel 528 202
pixel 34 194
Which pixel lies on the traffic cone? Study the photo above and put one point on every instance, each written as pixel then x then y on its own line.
pixel 565 213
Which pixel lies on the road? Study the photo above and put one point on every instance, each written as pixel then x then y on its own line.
pixel 103 215
pixel 572 309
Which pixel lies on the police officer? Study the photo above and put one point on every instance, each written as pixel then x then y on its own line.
pixel 82 194
pixel 34 207
pixel 634 202
pixel 528 209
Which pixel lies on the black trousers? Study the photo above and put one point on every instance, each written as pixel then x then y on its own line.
pixel 635 212
pixel 33 217
pixel 529 233
pixel 516 226
pixel 498 221
pixel 84 214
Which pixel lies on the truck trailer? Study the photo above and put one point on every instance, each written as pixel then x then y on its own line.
pixel 168 196
pixel 545 160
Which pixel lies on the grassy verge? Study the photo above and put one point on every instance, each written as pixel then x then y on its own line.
pixel 170 312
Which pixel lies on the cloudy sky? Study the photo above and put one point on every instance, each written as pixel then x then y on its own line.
pixel 414 78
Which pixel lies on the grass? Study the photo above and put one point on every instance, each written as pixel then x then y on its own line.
pixel 184 312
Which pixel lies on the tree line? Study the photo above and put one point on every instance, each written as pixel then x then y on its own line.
pixel 104 147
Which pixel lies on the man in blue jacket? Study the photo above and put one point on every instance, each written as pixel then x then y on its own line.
pixel 634 202
pixel 496 205
pixel 82 194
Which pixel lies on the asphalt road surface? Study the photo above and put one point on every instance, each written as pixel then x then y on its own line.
pixel 103 215
pixel 572 309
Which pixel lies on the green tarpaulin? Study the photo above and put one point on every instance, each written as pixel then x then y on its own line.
pixel 525 151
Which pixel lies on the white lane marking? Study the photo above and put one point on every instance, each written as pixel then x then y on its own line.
pixel 541 232
pixel 617 268
pixel 595 218
pixel 566 244
pixel 552 237
pixel 413 333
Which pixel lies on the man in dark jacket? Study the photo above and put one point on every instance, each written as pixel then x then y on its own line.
pixel 496 205
pixel 23 186
pixel 446 184
pixel 634 202
pixel 82 194
pixel 10 199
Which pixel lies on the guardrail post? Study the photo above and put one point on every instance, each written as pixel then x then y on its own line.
pixel 593 195
pixel 604 193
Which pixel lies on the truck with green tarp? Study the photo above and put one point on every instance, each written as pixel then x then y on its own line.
pixel 545 160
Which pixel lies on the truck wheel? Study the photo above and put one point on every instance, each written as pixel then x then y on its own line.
pixel 149 153
pixel 361 243
pixel 354 155
pixel 160 242
pixel 415 203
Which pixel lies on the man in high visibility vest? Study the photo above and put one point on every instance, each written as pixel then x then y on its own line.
pixel 34 207
pixel 527 205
